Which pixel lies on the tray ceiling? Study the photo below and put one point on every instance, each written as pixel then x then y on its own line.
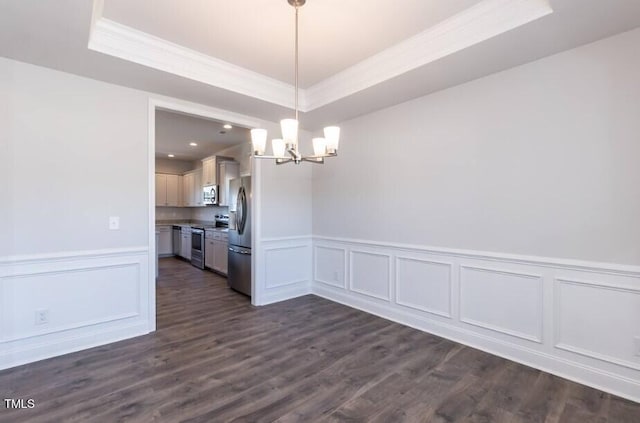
pixel 258 34
pixel 484 38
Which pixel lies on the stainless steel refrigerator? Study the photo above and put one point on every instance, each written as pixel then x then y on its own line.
pixel 239 269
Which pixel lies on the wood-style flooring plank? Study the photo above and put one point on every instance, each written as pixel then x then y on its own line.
pixel 216 358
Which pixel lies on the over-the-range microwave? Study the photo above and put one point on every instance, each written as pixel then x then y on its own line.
pixel 210 195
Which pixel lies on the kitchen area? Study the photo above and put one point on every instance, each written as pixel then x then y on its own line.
pixel 203 196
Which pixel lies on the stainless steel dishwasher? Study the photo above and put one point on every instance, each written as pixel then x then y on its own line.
pixel 177 240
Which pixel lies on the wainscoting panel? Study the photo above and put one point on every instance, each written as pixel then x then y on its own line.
pixel 578 320
pixel 370 274
pixel 286 270
pixel 72 299
pixel 84 298
pixel 502 301
pixel 586 307
pixel 424 285
pixel 330 266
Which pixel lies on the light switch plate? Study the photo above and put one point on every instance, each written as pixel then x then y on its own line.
pixel 114 223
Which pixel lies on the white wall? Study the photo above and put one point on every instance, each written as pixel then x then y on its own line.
pixel 76 154
pixel 538 160
pixel 485 214
pixel 284 204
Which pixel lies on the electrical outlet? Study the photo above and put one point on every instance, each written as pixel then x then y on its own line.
pixel 114 223
pixel 336 275
pixel 42 317
pixel 636 344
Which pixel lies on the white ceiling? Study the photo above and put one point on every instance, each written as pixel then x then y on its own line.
pixel 175 131
pixel 56 34
pixel 258 34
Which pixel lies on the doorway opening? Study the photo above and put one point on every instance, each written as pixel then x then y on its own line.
pixel 196 155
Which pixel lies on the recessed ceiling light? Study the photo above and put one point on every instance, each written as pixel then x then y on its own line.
pixel 227 126
pixel 193 144
pixel 170 155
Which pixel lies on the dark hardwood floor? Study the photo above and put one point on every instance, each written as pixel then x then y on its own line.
pixel 215 358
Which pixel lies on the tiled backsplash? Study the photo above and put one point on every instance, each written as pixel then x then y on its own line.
pixel 173 213
pixel 205 214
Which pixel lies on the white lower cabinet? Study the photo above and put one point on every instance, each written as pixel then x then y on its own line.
pixel 220 255
pixel 165 243
pixel 208 252
pixel 216 250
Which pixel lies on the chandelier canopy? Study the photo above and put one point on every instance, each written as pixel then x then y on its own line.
pixel 285 149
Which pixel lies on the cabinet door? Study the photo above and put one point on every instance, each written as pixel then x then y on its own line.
pixel 186 246
pixel 161 189
pixel 220 256
pixel 209 253
pixel 198 195
pixel 187 184
pixel 165 247
pixel 209 171
pixel 172 190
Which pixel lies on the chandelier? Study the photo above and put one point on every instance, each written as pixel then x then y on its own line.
pixel 285 149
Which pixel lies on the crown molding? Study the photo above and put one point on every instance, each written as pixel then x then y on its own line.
pixel 127 43
pixel 478 23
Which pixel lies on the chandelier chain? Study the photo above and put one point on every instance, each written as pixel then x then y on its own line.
pixel 296 64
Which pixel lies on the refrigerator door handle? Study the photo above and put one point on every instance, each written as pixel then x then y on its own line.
pixel 233 250
pixel 241 210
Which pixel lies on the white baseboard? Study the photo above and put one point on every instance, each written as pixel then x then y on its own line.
pixel 538 312
pixel 52 346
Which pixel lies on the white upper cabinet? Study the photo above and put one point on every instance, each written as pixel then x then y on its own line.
pixel 188 180
pixel 192 189
pixel 209 171
pixel 167 190
pixel 198 195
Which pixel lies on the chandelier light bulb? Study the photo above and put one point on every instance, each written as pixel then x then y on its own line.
pixel 290 131
pixel 332 135
pixel 259 141
pixel 278 146
pixel 319 146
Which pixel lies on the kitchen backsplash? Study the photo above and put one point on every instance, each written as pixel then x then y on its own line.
pixel 189 213
pixel 173 213
pixel 208 213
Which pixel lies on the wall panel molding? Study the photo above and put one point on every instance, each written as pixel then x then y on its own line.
pixel 379 273
pixel 92 298
pixel 339 279
pixel 446 309
pixel 483 287
pixel 625 357
pixel 286 267
pixel 506 326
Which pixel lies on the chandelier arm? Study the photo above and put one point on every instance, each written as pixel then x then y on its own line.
pixel 280 161
pixel 313 159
